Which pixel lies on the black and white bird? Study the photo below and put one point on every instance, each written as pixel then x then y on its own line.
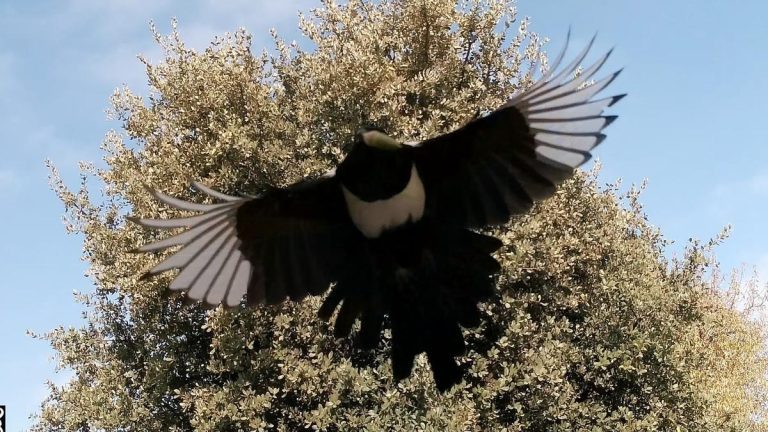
pixel 392 229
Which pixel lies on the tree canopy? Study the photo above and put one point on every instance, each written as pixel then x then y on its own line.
pixel 592 327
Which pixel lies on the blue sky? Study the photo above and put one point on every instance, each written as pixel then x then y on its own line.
pixel 693 125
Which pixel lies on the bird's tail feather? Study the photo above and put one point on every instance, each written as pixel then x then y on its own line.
pixel 429 281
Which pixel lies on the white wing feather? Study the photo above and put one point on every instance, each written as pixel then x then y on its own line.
pixel 212 268
pixel 564 120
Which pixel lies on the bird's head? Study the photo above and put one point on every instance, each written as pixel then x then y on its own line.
pixel 375 137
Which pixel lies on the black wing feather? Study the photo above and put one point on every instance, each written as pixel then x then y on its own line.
pixel 500 164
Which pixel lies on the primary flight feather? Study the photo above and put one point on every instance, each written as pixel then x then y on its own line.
pixel 391 227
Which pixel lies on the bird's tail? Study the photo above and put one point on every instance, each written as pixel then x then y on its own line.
pixel 429 280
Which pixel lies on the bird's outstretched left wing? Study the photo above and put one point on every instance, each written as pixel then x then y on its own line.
pixel 498 165
pixel 287 242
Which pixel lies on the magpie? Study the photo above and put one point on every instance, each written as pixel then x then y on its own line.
pixel 394 229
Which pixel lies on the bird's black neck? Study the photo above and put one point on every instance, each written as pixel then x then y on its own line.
pixel 372 174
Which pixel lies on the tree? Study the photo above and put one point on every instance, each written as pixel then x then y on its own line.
pixel 592 328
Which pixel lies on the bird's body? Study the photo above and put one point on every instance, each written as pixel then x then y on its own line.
pixel 381 186
pixel 408 263
pixel 393 229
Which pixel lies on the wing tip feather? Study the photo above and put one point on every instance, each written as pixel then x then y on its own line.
pixel 608 120
pixel 616 99
pixel 599 139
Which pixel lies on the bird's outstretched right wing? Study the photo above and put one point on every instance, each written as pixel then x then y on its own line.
pixel 500 164
pixel 287 242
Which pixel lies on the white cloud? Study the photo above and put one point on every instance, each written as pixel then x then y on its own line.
pixel 120 65
pixel 738 197
pixel 759 184
pixel 48 142
pixel 9 179
pixel 111 20
pixel 122 28
pixel 253 11
pixel 7 76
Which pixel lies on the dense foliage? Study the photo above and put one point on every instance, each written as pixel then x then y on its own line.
pixel 592 328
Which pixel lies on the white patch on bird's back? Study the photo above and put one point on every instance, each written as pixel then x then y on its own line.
pixel 373 218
